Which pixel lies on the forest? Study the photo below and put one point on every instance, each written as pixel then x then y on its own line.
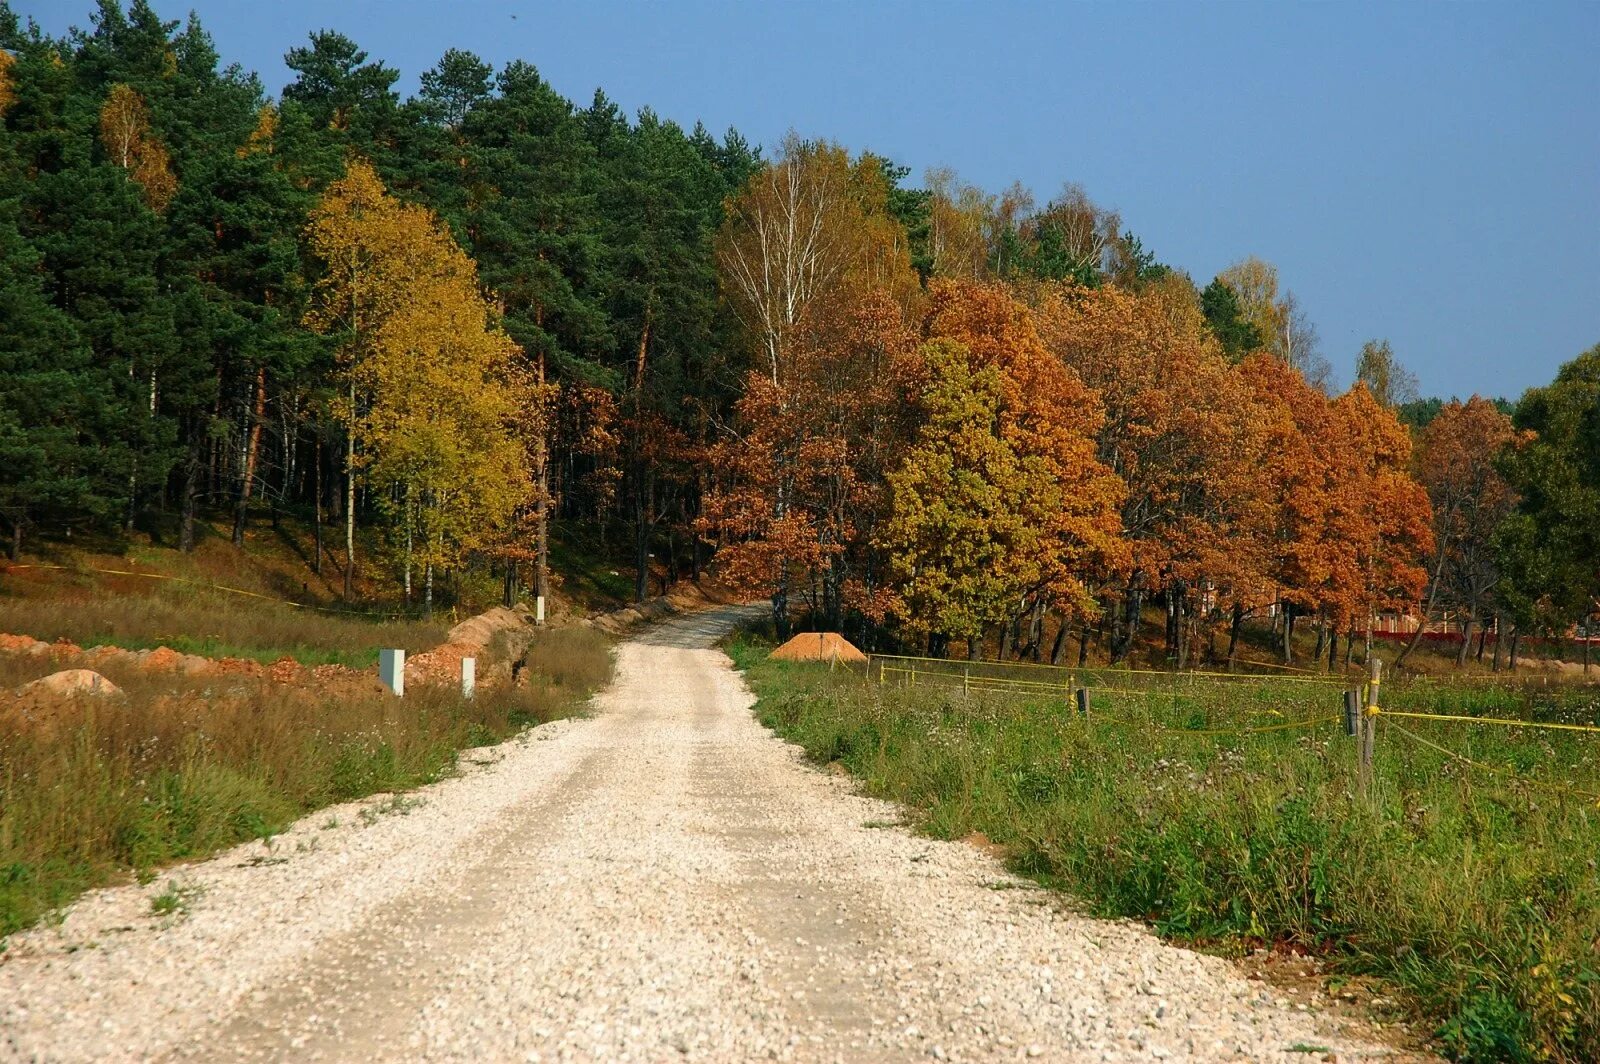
pixel 927 415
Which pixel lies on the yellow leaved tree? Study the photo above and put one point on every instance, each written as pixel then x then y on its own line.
pixel 8 88
pixel 125 131
pixel 434 399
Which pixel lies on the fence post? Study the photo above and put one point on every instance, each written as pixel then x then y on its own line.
pixel 966 682
pixel 1369 725
pixel 1083 701
pixel 911 680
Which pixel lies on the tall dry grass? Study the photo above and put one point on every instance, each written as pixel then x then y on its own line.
pixel 195 620
pixel 99 788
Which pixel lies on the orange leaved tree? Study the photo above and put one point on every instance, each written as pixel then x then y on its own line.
pixel 999 418
pixel 1183 431
pixel 1456 461
pixel 818 270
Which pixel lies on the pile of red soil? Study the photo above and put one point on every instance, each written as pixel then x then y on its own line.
pixel 819 646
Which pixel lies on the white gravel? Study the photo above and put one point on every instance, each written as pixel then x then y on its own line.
pixel 664 881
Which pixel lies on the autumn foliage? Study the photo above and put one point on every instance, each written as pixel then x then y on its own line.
pixel 125 132
pixel 485 322
pixel 436 404
pixel 997 459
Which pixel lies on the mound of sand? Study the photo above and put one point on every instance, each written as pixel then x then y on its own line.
pixel 818 646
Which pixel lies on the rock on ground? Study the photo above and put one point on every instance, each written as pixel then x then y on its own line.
pixel 71 682
pixel 665 881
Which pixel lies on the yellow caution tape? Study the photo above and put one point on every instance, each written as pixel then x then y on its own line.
pixel 1506 773
pixel 948 663
pixel 1505 722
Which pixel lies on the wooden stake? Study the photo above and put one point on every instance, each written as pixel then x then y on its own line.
pixel 1368 732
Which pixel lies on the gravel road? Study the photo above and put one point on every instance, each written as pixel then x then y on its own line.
pixel 664 881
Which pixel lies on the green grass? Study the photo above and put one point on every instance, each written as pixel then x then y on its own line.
pixel 94 791
pixel 1474 895
pixel 174 901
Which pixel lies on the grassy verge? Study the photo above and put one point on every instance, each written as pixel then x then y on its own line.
pixel 95 790
pixel 1474 895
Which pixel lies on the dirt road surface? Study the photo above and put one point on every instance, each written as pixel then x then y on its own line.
pixel 665 881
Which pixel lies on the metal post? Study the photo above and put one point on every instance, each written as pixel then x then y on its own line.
pixel 1083 701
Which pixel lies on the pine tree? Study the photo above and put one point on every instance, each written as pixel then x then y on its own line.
pixel 53 407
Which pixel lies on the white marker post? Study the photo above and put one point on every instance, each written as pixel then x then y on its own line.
pixel 469 676
pixel 538 610
pixel 392 670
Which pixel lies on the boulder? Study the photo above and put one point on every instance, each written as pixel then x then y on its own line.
pixel 71 682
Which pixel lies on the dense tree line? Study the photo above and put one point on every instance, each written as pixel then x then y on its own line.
pixel 928 415
pixel 221 300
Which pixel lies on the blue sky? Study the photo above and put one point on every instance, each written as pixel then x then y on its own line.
pixel 1429 173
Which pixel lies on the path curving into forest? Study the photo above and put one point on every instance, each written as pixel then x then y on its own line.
pixel 664 881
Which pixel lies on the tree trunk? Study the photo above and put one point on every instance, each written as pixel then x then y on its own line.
pixel 406 577
pixel 1173 597
pixel 1083 646
pixel 541 472
pixel 1235 627
pixel 1059 649
pixel 1499 640
pixel 427 591
pixel 1515 636
pixel 16 540
pixel 1133 607
pixel 1288 634
pixel 641 537
pixel 247 475
pixel 316 507
pixel 1466 641
pixel 350 500
pixel 1427 611
pixel 780 607
pixel 1333 649
pixel 191 489
pixel 133 494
